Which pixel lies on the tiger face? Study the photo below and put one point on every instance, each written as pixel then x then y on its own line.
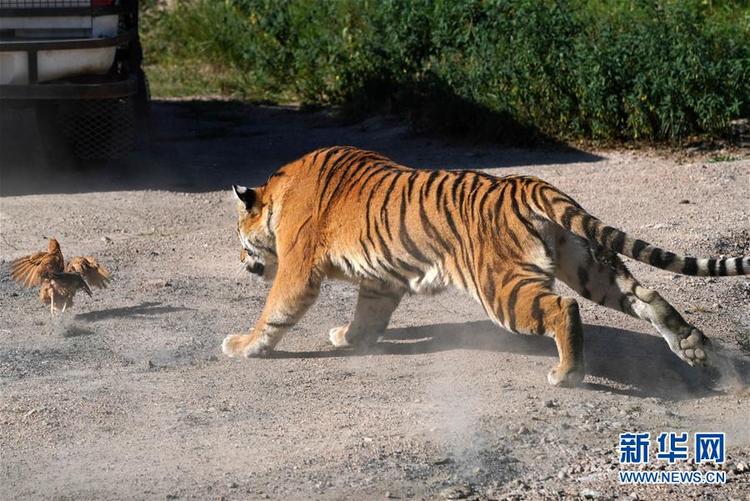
pixel 255 231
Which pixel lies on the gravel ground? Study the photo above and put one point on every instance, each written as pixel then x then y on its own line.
pixel 127 396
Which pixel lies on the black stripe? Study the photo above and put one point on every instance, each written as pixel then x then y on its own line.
pixel 457 181
pixel 690 266
pixel 372 174
pixel 712 267
pixel 499 203
pixel 529 225
pixel 513 298
pixel 606 232
pixel 514 237
pixel 316 154
pixel 384 207
pixel 372 168
pixel 722 267
pixel 342 178
pixel 488 292
pixel 589 226
pixel 406 240
pixel 618 244
pixel 537 314
pixel 638 247
pixel 325 164
pixel 340 164
pixel 739 265
pixel 661 259
pixel 473 192
pixel 410 183
pixel 410 267
pixel 431 179
pixel 464 284
pixel 532 268
pixel 439 194
pixel 348 265
pixel 567 216
pixel 431 230
pixel 483 200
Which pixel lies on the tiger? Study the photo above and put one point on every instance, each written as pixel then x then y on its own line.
pixel 349 214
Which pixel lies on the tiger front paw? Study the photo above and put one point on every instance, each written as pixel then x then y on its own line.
pixel 694 348
pixel 338 336
pixel 567 378
pixel 236 345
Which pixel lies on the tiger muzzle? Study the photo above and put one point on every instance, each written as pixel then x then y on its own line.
pixel 256 268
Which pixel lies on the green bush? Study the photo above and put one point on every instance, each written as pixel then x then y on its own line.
pixel 614 69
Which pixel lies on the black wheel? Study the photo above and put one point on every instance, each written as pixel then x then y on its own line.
pixel 142 98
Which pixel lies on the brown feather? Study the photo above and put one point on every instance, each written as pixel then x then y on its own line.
pixel 30 270
pixel 94 273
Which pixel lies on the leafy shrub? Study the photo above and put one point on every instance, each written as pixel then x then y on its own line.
pixel 614 69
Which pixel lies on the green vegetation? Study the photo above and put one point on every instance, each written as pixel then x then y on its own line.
pixel 599 69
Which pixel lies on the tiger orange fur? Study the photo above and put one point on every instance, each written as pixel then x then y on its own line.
pixel 350 214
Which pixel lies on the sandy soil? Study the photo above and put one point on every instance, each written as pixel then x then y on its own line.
pixel 128 396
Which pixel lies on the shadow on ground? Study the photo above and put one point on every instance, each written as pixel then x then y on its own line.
pixel 635 364
pixel 210 145
pixel 145 309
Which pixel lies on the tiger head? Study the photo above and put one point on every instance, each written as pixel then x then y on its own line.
pixel 255 231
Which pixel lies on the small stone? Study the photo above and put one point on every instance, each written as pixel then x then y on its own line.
pixel 233 485
pixel 550 403
pixel 741 467
pixel 590 494
pixel 106 240
pixel 684 201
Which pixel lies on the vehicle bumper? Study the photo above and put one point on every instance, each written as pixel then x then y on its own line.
pixel 105 90
pixel 27 63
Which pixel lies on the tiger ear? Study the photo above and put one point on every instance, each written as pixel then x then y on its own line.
pixel 247 196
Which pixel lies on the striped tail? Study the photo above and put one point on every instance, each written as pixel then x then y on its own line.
pixel 554 205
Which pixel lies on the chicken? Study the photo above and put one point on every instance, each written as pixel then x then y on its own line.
pixel 59 282
pixel 59 288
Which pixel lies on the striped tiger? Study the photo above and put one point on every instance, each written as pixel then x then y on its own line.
pixel 345 213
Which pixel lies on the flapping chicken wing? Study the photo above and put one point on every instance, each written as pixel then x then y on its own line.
pixel 29 271
pixel 95 274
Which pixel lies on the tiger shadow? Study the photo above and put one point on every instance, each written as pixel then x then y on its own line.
pixel 631 363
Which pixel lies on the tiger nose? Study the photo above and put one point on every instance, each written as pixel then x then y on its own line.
pixel 257 268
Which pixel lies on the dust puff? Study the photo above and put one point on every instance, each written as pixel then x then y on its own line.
pixel 64 325
pixel 733 371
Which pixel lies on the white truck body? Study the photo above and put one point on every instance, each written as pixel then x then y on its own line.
pixel 58 63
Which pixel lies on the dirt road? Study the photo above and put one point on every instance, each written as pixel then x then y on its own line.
pixel 128 396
